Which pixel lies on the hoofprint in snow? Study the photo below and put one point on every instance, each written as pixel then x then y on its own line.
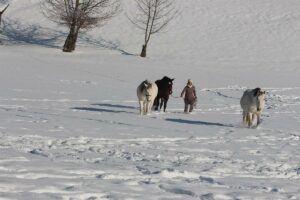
pixel 70 126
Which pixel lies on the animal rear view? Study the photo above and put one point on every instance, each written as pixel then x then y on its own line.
pixel 252 103
pixel 146 93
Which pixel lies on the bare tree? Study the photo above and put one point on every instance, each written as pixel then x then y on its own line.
pixel 1 13
pixel 79 15
pixel 152 17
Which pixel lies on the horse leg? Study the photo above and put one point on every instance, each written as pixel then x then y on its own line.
pixel 258 119
pixel 162 102
pixel 249 119
pixel 145 107
pixel 159 104
pixel 165 104
pixel 151 106
pixel 156 103
pixel 244 117
pixel 148 107
pixel 141 107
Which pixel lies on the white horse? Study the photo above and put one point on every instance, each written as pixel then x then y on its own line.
pixel 146 93
pixel 252 103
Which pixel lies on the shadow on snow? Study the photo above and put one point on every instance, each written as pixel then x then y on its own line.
pixel 184 121
pixel 102 43
pixel 18 33
pixel 114 105
pixel 112 108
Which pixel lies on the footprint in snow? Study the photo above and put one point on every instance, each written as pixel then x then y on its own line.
pixel 178 191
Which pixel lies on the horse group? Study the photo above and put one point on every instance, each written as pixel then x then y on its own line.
pixel 156 95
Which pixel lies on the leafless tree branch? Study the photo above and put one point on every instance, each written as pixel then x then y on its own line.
pixel 152 17
pixel 79 15
pixel 2 11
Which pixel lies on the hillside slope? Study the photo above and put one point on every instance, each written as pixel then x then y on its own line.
pixel 70 126
pixel 210 30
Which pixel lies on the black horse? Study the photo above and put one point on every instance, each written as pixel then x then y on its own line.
pixel 164 90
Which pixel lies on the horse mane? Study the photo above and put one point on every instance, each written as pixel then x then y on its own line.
pixel 165 78
pixel 146 84
pixel 256 91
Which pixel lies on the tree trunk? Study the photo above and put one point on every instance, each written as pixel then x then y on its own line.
pixel 144 51
pixel 1 13
pixel 71 40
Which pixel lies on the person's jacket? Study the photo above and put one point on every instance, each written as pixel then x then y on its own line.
pixel 189 93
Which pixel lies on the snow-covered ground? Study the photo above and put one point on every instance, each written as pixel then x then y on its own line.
pixel 70 127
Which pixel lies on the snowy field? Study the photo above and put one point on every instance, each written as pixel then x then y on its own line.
pixel 70 126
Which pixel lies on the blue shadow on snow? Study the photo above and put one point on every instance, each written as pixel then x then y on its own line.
pixel 114 105
pixel 18 33
pixel 184 121
pixel 111 108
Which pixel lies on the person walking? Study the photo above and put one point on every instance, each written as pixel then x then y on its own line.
pixel 190 97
